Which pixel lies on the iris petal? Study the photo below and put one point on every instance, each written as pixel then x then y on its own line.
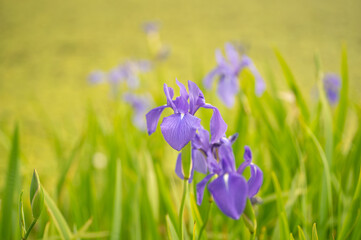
pixel 196 97
pixel 232 54
pixel 229 192
pixel 178 129
pixel 200 161
pixel 218 125
pixel 255 181
pixel 152 118
pixel 200 188
pixel 227 90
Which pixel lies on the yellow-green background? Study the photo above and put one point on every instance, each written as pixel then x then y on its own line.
pixel 47 49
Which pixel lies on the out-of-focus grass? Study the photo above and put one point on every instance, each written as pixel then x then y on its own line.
pixel 48 48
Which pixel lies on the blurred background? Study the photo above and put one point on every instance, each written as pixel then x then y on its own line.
pixel 48 49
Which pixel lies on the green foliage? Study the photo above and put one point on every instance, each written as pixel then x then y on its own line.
pixel 113 181
pixel 7 226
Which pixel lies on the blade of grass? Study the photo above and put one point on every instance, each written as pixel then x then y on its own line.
pixel 341 112
pixel 58 218
pixel 117 209
pixel 283 223
pixel 353 211
pixel 291 81
pixel 172 233
pixel 9 192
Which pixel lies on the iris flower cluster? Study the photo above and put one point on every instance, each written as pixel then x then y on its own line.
pixel 212 153
pixel 228 72
pixel 128 73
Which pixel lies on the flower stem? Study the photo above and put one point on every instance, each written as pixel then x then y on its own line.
pixel 185 190
pixel 206 220
pixel 29 229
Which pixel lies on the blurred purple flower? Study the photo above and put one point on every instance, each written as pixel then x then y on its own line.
pixel 128 72
pixel 96 77
pixel 229 189
pixel 150 27
pixel 228 72
pixel 181 127
pixel 140 104
pixel 332 86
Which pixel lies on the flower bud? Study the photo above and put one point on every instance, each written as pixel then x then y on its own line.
pixel 36 195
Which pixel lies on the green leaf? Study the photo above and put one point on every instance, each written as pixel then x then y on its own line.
pixel 291 81
pixel 341 112
pixel 58 219
pixel 301 234
pixel 21 217
pixel 8 194
pixel 314 232
pixel 249 217
pixel 172 233
pixel 117 204
pixel 186 161
pixel 353 212
pixel 283 223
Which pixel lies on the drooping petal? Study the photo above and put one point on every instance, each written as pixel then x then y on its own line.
pixel 178 129
pixel 228 88
pixel 178 166
pixel 169 93
pixel 196 97
pixel 232 54
pixel 229 192
pixel 255 181
pixel 210 77
pixel 152 118
pixel 260 85
pixel 200 188
pixel 179 169
pixel 218 125
pixel 199 160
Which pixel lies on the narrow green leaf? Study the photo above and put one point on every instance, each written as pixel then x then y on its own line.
pixel 353 212
pixel 291 81
pixel 291 237
pixel 196 215
pixel 249 217
pixel 341 112
pixel 172 233
pixel 283 223
pixel 314 232
pixel 117 207
pixel 301 234
pixel 21 217
pixel 11 182
pixel 58 219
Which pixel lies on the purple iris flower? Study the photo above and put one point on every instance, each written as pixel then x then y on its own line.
pixel 181 127
pixel 228 73
pixel 332 86
pixel 128 72
pixel 141 104
pixel 150 27
pixel 229 189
